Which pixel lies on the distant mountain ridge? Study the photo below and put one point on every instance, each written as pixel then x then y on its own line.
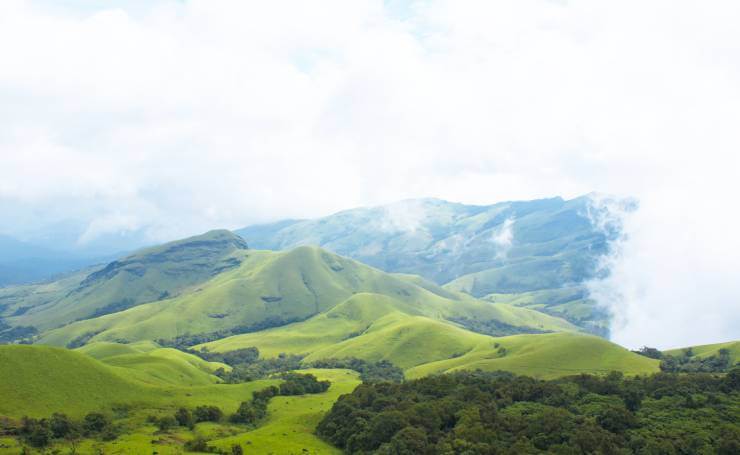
pixel 541 246
pixel 443 241
pixel 148 275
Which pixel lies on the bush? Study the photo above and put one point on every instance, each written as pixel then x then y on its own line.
pixel 96 422
pixel 207 414
pixel 197 445
pixel 184 418
pixel 299 384
pixel 164 423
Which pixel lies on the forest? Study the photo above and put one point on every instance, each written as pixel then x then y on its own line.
pixel 501 413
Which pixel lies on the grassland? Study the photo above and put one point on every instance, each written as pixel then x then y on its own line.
pixel 40 380
pixel 708 350
pixel 544 356
pixel 151 364
pixel 283 287
pixel 376 328
pixel 82 384
pixel 148 275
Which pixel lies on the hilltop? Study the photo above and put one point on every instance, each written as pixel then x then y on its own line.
pixel 508 247
pixel 269 289
pixel 149 275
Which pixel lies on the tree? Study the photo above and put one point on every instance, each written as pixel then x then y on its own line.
pixel 164 423
pixel 184 417
pixel 96 422
pixel 61 426
pixel 207 414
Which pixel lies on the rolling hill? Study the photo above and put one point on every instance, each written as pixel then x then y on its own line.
pixel 444 241
pixel 39 380
pixel 149 275
pixel 708 350
pixel 152 364
pixel 505 248
pixel 270 289
pixel 374 328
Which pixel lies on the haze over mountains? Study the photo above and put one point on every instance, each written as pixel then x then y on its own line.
pixel 546 248
pixel 451 288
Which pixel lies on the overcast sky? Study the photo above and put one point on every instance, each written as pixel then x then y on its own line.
pixel 170 118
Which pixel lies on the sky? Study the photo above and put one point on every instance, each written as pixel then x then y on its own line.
pixel 168 118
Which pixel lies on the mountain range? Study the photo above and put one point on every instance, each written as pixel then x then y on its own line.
pixel 423 287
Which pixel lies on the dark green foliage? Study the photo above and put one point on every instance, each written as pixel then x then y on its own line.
pixel 369 371
pixel 17 334
pixel 164 423
pixel 260 368
pixel 207 414
pixel 183 342
pixel 688 363
pixel 649 352
pixel 236 449
pixel 493 327
pixel 184 418
pixel 81 340
pixel 96 422
pixel 197 445
pixel 42 432
pixel 485 413
pixel 62 426
pixel 237 357
pixel 299 384
pixel 36 432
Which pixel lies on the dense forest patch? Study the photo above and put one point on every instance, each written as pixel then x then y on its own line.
pixel 492 413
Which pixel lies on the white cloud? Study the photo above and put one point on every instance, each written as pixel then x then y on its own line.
pixel 175 117
pixel 503 238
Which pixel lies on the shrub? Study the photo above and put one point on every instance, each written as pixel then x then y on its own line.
pixel 207 414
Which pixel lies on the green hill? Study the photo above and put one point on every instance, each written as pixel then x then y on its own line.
pixel 374 328
pixel 277 288
pixel 152 364
pixel 509 247
pixel 545 356
pixel 146 276
pixel 708 350
pixel 570 302
pixel 39 380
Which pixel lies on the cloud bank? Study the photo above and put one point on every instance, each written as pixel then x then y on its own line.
pixel 168 118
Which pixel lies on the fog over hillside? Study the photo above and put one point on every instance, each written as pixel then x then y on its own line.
pixel 127 124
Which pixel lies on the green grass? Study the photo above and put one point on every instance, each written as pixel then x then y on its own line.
pixel 708 350
pixel 544 356
pixel 291 421
pixel 145 276
pixel 293 285
pixel 287 429
pixel 40 380
pixel 377 327
pixel 151 364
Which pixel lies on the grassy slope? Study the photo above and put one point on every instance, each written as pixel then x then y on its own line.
pixel 39 380
pixel 287 286
pixel 148 275
pixel 570 302
pixel 545 356
pixel 288 428
pixel 707 350
pixel 379 328
pixel 151 364
pixel 291 421
pixel 375 327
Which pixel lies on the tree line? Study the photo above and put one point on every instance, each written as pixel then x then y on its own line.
pixel 500 413
pixel 688 362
